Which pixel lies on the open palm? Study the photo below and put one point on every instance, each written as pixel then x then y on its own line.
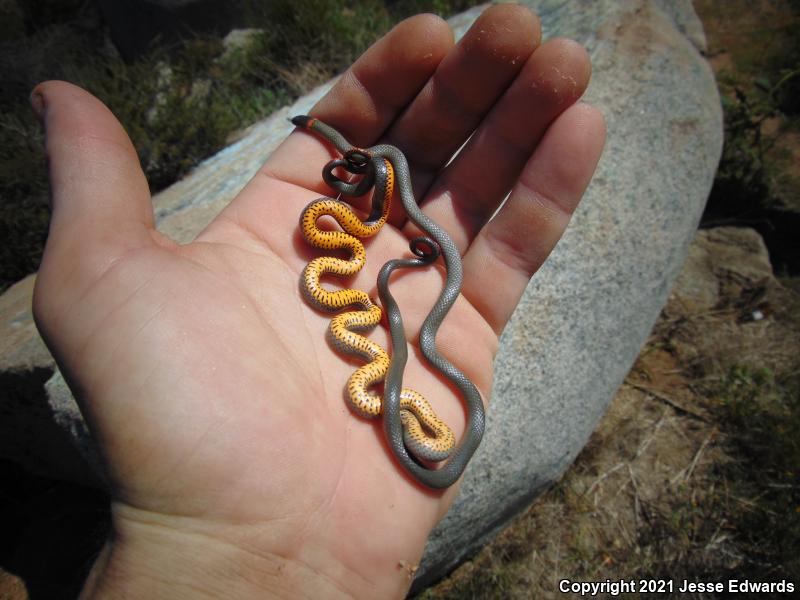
pixel 207 380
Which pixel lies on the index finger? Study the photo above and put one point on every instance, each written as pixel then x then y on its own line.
pixel 369 96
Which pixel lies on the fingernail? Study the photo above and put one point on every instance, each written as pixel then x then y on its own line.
pixel 38 104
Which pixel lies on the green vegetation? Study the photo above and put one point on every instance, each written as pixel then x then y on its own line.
pixel 762 414
pixel 179 103
pixel 755 48
pixel 748 160
pixel 760 89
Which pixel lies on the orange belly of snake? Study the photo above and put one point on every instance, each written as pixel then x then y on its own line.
pixel 424 433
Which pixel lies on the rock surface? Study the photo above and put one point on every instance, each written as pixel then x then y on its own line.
pixel 717 260
pixel 590 308
pixel 727 278
pixel 583 317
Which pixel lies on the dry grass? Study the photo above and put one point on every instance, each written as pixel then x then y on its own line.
pixel 690 474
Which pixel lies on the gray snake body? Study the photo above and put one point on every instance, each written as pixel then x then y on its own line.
pixel 437 241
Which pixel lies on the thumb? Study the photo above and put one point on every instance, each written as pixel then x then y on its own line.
pixel 101 205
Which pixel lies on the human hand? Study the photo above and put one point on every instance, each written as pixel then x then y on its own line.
pixel 236 468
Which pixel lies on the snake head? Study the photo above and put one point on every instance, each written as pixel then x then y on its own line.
pixel 343 186
pixel 357 159
pixel 303 121
pixel 425 248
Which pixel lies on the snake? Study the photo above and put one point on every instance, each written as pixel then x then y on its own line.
pixel 427 249
pixel 424 433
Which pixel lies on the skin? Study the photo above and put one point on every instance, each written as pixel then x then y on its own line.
pixel 235 468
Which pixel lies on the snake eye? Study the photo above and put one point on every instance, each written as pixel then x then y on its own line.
pixel 425 248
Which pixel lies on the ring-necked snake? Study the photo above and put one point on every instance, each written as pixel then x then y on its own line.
pixel 371 161
pixel 417 415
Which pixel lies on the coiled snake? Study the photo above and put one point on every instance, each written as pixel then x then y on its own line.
pixel 381 165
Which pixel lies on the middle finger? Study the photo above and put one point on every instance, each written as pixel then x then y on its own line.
pixel 467 193
pixel 463 89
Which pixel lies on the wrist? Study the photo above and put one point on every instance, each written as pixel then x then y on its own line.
pixel 150 556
